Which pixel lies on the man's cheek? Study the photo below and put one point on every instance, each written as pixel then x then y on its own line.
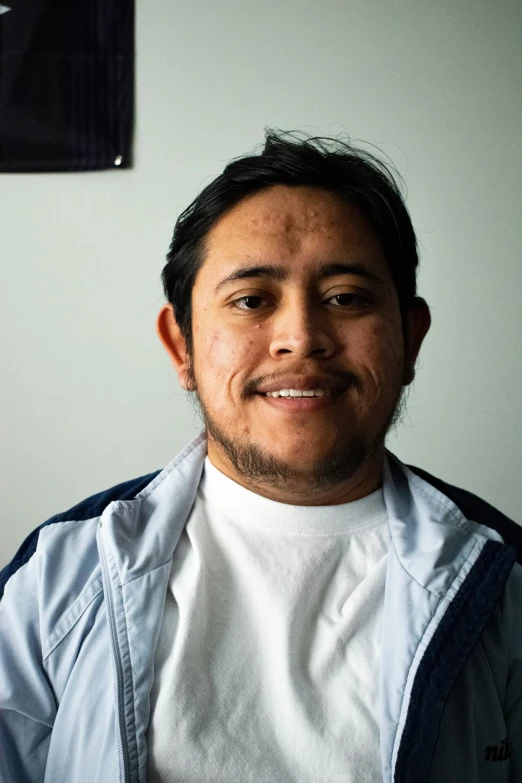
pixel 219 354
pixel 380 349
pixel 221 371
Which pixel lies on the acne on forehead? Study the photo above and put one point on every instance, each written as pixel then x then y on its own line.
pixel 289 211
pixel 288 222
pixel 288 216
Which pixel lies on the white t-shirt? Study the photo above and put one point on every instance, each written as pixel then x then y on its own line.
pixel 267 665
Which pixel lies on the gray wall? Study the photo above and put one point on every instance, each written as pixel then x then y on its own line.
pixel 88 398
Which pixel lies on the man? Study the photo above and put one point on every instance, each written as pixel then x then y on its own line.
pixel 286 600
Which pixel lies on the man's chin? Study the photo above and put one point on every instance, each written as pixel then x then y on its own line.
pixel 287 468
pixel 302 464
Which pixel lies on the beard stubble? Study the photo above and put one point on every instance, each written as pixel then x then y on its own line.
pixel 253 462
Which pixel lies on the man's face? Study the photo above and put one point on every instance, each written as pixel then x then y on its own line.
pixel 295 294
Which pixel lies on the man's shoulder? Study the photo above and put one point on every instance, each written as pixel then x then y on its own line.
pixel 477 509
pixel 90 508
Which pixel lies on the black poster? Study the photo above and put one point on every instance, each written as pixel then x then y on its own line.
pixel 66 84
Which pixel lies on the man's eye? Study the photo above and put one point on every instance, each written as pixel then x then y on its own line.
pixel 249 302
pixel 342 300
pixel 346 300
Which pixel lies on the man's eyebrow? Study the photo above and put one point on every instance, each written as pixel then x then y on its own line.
pixel 280 274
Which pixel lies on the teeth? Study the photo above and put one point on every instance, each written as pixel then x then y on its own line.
pixel 299 393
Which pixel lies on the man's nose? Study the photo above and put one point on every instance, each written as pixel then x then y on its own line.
pixel 302 330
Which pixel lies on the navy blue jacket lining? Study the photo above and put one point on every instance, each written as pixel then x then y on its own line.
pixel 451 645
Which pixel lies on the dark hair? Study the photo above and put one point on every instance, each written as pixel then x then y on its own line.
pixel 354 174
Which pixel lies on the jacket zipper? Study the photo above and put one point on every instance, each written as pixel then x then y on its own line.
pixel 123 751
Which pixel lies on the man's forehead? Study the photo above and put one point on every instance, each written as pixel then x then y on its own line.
pixel 293 217
pixel 284 209
pixel 306 226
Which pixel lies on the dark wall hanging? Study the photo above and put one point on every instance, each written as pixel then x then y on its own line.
pixel 66 84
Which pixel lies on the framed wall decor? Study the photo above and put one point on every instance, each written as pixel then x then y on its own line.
pixel 66 85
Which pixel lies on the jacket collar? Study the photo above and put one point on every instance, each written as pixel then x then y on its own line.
pixel 431 536
pixel 144 532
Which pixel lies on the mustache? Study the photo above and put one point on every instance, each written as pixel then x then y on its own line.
pixel 344 378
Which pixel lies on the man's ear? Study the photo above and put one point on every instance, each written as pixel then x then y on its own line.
pixel 174 343
pixel 418 321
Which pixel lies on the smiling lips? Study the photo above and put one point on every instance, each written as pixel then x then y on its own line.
pixel 301 392
pixel 311 385
pixel 301 400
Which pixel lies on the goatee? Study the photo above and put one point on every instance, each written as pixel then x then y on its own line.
pixel 255 463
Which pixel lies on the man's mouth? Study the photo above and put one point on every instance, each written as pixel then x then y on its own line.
pixel 301 400
pixel 299 393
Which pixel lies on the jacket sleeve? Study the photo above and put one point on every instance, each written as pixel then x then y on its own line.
pixel 512 625
pixel 27 701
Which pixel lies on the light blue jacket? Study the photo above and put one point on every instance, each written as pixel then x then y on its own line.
pixel 83 605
